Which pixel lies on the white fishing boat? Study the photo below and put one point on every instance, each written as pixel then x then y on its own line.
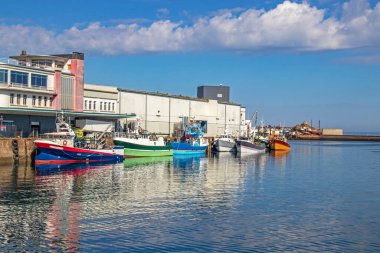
pixel 225 143
pixel 251 145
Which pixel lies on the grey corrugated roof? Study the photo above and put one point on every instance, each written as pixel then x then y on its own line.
pixel 172 96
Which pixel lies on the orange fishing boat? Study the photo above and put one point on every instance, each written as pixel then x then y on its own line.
pixel 279 144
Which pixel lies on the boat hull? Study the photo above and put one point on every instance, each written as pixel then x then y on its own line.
pixel 225 146
pixel 134 144
pixel 185 148
pixel 48 153
pixel 248 147
pixel 132 148
pixel 279 145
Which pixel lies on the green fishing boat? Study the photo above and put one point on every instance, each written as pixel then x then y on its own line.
pixel 143 146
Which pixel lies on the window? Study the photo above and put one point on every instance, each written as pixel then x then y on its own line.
pixel 3 76
pixel 45 101
pixel 24 99
pixel 42 62
pixel 19 78
pixel 67 91
pixel 94 105
pixel 18 99
pixel 101 105
pixel 89 105
pixel 39 100
pixel 51 101
pixel 39 81
pixel 113 107
pixel 85 104
pixel 34 101
pixel 109 106
pixel 12 99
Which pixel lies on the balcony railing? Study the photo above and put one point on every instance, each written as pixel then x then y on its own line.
pixel 23 86
pixel 32 65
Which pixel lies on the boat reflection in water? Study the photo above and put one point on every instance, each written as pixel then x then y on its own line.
pixel 144 161
pixel 279 153
pixel 192 161
pixel 73 168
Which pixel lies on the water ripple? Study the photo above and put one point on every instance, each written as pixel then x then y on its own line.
pixel 320 197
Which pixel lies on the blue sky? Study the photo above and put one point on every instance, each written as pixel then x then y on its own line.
pixel 290 60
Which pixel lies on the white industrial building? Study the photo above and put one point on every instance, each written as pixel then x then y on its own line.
pixel 163 113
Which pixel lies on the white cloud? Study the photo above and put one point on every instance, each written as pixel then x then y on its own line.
pixel 289 26
pixel 163 13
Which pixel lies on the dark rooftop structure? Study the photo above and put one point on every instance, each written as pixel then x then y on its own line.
pixel 217 92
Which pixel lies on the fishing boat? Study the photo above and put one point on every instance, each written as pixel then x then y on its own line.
pixel 225 143
pixel 138 143
pixel 62 147
pixel 251 145
pixel 192 142
pixel 279 143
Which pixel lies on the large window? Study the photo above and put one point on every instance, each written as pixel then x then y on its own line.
pixel 18 98
pixel 67 99
pixel 42 62
pixel 39 81
pixel 34 100
pixel 19 78
pixel 3 76
pixel 12 99
pixel 24 97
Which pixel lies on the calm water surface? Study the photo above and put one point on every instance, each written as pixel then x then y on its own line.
pixel 320 197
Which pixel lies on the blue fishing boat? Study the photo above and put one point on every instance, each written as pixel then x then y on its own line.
pixel 192 142
pixel 61 147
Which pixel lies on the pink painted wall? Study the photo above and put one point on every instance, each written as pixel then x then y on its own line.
pixel 57 90
pixel 77 68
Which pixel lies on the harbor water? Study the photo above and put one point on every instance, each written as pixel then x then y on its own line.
pixel 319 197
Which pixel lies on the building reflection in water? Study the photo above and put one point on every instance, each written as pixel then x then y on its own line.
pixel 22 209
pixel 54 210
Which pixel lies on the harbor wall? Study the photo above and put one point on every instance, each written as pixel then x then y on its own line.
pixel 332 131
pixel 16 149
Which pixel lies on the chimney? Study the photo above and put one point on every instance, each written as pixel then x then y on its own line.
pixel 23 53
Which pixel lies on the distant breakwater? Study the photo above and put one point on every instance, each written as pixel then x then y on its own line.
pixel 337 137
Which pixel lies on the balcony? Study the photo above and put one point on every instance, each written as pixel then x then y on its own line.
pixel 24 88
pixel 33 65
